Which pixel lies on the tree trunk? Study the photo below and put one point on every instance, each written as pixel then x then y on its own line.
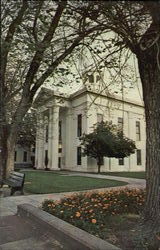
pixel 3 134
pixel 99 165
pixel 99 169
pixel 3 151
pixel 11 143
pixel 150 77
pixel 11 137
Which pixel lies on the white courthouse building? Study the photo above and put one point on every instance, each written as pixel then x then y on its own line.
pixel 62 119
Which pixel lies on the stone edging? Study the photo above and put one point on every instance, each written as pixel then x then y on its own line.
pixel 73 237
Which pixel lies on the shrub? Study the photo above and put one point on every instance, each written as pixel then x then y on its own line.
pixel 89 211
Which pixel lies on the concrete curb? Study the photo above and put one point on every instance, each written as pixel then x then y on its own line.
pixel 74 238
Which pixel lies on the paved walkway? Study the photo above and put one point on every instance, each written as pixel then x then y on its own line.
pixel 8 205
pixel 21 234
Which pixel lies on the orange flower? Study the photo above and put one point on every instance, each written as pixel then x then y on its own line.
pixel 78 214
pixel 94 221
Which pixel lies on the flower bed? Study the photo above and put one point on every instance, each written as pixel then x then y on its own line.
pixel 92 211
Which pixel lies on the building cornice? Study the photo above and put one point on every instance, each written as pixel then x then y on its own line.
pixel 42 97
pixel 109 96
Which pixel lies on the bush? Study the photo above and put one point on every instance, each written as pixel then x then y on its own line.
pixel 89 211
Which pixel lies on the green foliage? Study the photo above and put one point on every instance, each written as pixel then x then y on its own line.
pixel 99 143
pixel 123 146
pixel 27 131
pixel 106 140
pixel 90 211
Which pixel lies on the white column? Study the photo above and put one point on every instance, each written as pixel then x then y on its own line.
pixel 50 137
pixel 39 161
pixel 54 138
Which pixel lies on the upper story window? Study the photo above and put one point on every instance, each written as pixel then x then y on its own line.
pixel 99 118
pixel 25 156
pixel 79 125
pixel 91 78
pixel 97 78
pixel 60 131
pixel 139 157
pixel 138 132
pixel 120 123
pixel 46 133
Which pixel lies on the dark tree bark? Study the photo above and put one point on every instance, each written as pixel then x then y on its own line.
pixel 99 169
pixel 3 151
pixel 150 77
pixel 99 164
pixel 5 47
pixel 11 137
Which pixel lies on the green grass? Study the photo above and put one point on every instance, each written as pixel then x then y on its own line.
pixel 138 175
pixel 41 182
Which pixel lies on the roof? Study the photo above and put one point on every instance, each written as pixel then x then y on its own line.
pixel 46 94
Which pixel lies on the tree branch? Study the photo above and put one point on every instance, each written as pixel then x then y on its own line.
pixel 34 32
pixel 42 47
pixel 9 37
pixel 68 51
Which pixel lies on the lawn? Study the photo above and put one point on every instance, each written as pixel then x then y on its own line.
pixel 138 175
pixel 42 182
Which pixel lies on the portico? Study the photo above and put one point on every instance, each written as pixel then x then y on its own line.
pixel 47 136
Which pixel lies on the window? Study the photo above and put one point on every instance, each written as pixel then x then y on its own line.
pixel 120 123
pixel 138 135
pixel 97 78
pixel 24 156
pixel 60 131
pixel 121 161
pixel 59 162
pixel 78 155
pixel 46 158
pixel 46 133
pixel 91 78
pixel 33 160
pixel 139 158
pixel 99 118
pixel 15 156
pixel 79 125
pixel 60 150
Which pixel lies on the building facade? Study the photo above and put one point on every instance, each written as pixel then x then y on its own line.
pixel 63 119
pixel 24 156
